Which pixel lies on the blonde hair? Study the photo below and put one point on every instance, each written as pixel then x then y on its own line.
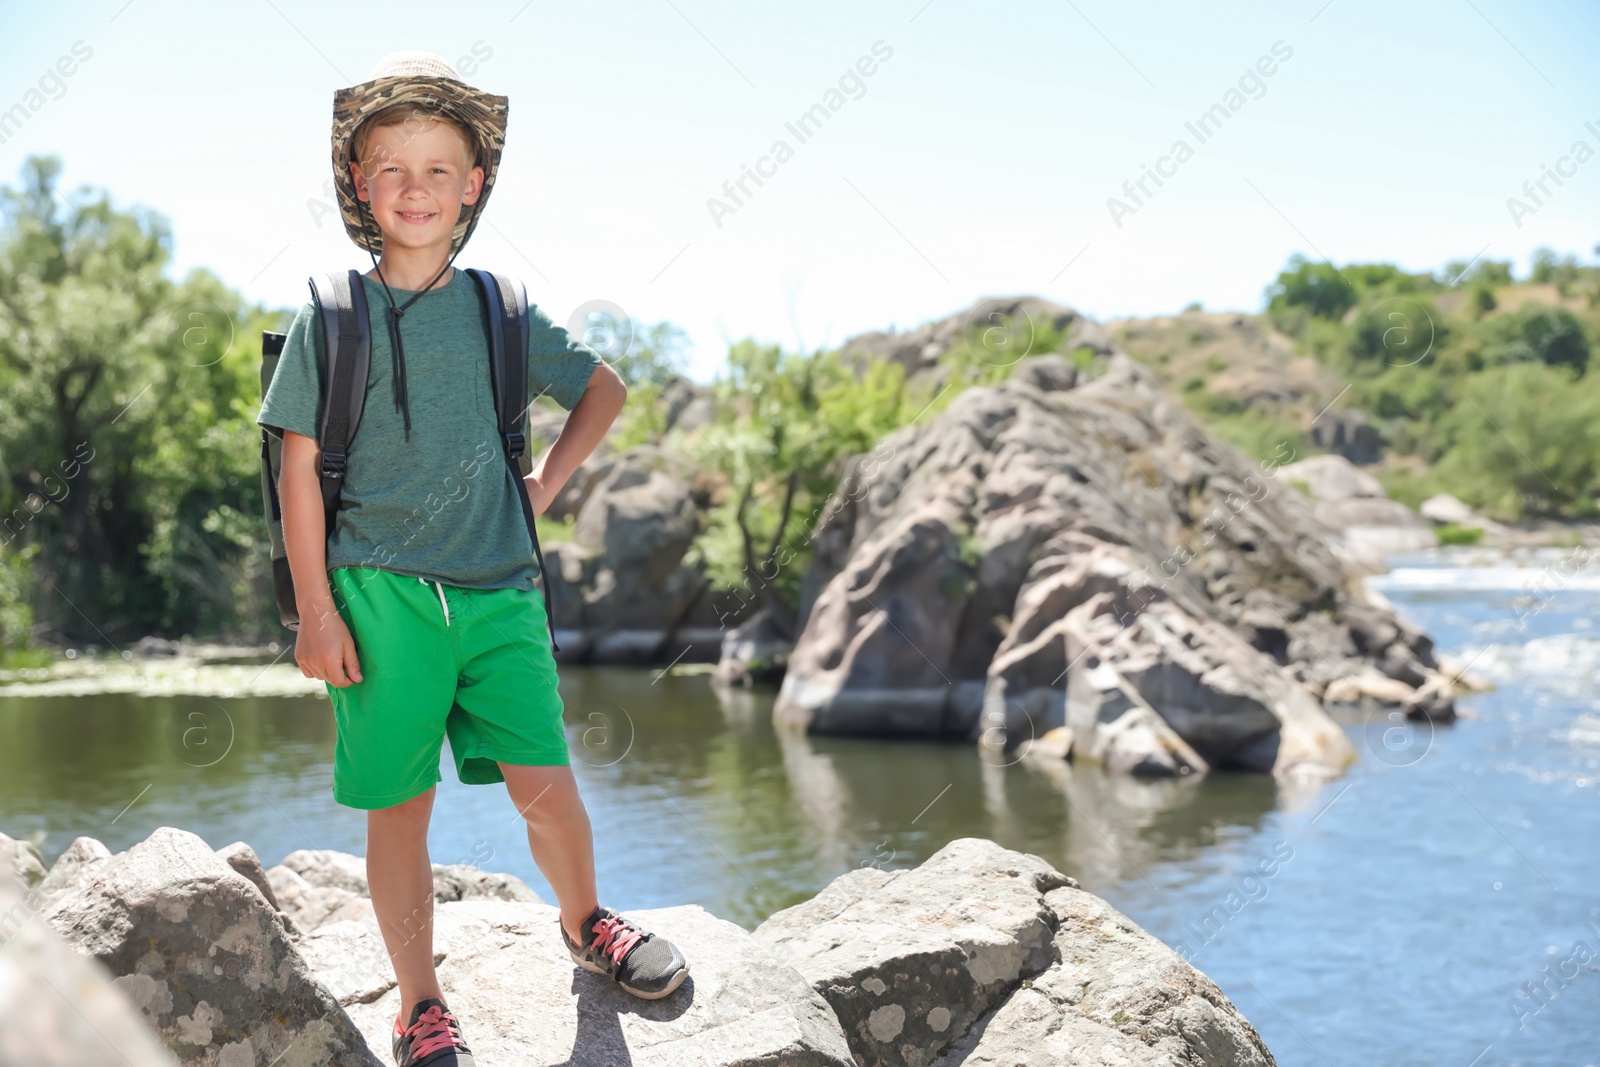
pixel 412 116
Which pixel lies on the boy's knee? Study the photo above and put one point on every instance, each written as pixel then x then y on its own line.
pixel 413 814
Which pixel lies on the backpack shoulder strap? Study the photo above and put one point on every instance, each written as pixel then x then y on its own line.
pixel 505 304
pixel 342 300
pixel 506 314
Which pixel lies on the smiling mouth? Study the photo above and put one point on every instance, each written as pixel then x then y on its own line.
pixel 416 216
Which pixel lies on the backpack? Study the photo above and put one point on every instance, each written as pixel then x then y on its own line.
pixel 341 302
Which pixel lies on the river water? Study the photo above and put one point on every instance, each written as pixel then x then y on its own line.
pixel 1397 916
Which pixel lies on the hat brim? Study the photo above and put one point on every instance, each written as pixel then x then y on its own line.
pixel 483 113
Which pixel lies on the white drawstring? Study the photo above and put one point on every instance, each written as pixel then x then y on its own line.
pixel 442 603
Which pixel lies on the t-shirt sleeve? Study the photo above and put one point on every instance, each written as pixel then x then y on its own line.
pixel 559 365
pixel 294 399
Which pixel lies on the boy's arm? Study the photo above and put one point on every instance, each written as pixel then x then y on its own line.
pixel 304 533
pixel 586 425
pixel 324 648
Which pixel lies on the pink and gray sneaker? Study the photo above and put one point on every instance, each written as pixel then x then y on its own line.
pixel 645 964
pixel 431 1039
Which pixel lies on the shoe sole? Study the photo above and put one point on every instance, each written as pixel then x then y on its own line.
pixel 593 968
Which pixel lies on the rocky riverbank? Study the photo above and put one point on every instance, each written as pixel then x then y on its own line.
pixel 171 952
pixel 1061 564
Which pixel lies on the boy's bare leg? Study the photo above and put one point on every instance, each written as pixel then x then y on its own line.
pixel 400 879
pixel 559 836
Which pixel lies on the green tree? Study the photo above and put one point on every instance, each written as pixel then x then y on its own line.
pixel 784 424
pixel 651 358
pixel 655 355
pixel 1549 268
pixel 1490 272
pixel 126 440
pixel 1317 288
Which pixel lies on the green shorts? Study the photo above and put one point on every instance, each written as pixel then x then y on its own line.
pixel 436 660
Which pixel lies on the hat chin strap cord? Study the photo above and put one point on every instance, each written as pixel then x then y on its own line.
pixel 397 356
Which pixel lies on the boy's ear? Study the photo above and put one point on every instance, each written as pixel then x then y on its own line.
pixel 474 187
pixel 360 181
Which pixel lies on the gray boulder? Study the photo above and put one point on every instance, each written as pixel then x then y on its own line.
pixel 462 881
pixel 78 863
pixel 1043 666
pixel 1367 525
pixel 1225 705
pixel 622 590
pixel 875 654
pixel 1442 508
pixel 306 906
pixel 910 959
pixel 329 869
pixel 317 887
pixel 1115 995
pixel 1348 432
pixel 242 858
pixel 351 960
pixel 754 652
pixel 60 1007
pixel 205 958
pixel 981 954
pixel 1329 477
pixel 21 858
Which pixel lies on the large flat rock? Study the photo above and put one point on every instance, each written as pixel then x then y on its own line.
pixel 522 1001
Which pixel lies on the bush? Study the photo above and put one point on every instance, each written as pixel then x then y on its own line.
pixel 1396 333
pixel 1525 439
pixel 1261 437
pixel 1452 534
pixel 1549 268
pixel 1539 334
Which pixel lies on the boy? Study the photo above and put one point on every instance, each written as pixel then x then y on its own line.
pixel 421 612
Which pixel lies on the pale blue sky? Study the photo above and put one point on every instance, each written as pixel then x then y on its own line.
pixel 977 162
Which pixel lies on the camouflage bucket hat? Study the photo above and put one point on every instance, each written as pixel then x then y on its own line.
pixel 431 85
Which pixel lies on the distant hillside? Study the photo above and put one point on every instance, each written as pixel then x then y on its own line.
pixel 1245 381
pixel 1472 383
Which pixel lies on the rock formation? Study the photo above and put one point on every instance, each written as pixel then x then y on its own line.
pixel 1050 552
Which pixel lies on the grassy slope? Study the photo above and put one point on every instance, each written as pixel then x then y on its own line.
pixel 1254 385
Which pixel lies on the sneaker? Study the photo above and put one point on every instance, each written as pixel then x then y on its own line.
pixel 431 1039
pixel 644 964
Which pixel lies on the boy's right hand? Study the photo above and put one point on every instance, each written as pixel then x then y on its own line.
pixel 325 650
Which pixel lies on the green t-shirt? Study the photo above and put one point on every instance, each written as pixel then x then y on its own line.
pixel 442 505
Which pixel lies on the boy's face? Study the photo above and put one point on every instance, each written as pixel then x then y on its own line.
pixel 417 179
